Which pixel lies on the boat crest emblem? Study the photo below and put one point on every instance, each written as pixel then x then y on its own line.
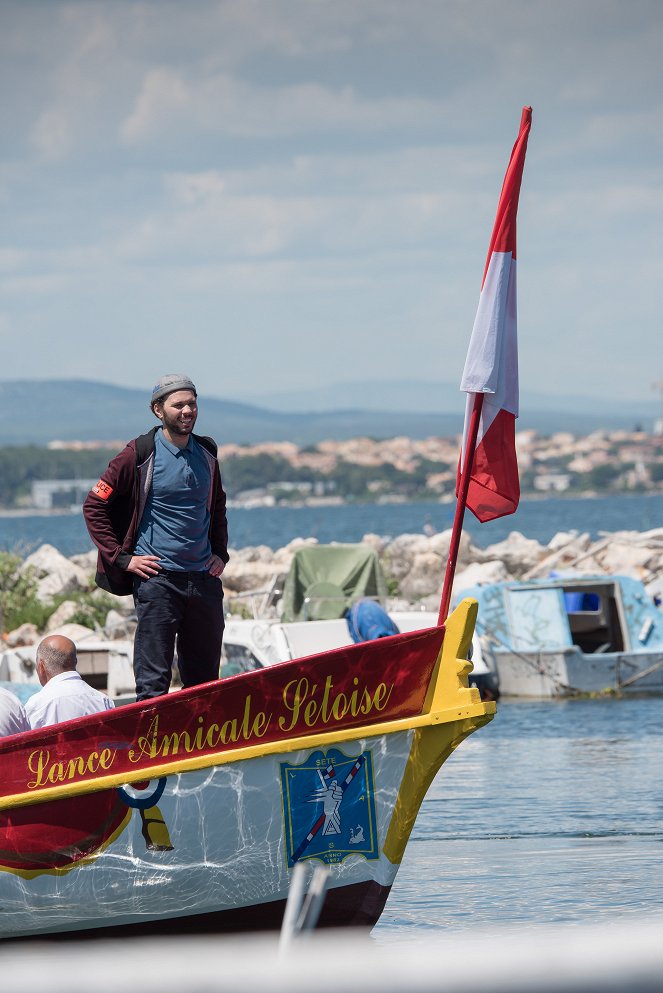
pixel 329 807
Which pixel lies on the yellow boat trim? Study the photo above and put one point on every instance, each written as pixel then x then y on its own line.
pixel 431 746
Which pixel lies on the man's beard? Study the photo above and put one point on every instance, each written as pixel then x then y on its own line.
pixel 175 426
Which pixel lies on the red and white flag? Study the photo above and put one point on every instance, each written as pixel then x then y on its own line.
pixel 491 367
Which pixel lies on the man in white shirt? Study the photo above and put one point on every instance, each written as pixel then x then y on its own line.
pixel 13 718
pixel 65 694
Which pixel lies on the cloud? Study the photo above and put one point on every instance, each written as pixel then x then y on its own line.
pixel 167 103
pixel 328 172
pixel 205 221
pixel 51 134
pixel 34 284
pixel 163 94
pixel 11 259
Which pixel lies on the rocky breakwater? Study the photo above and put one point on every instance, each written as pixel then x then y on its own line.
pixel 413 564
pixel 65 600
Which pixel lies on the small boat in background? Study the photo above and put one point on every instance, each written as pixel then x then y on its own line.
pixel 563 636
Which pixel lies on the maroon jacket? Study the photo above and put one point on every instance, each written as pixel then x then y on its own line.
pixel 114 506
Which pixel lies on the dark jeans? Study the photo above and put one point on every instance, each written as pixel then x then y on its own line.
pixel 186 607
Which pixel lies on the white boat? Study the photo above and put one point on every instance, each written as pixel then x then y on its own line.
pixel 563 636
pixel 306 611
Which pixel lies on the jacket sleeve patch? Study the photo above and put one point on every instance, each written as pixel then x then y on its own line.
pixel 102 490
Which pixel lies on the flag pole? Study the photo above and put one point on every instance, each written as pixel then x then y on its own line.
pixel 461 502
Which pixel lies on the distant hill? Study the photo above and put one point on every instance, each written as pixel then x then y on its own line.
pixel 429 396
pixel 39 411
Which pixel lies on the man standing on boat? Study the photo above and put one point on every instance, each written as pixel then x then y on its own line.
pixel 158 519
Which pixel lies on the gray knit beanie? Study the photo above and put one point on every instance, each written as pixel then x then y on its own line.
pixel 170 384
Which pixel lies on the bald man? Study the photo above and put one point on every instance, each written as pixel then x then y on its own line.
pixel 65 694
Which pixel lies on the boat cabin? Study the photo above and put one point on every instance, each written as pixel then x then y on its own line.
pixel 602 614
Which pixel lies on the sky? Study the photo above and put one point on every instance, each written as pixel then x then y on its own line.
pixel 273 195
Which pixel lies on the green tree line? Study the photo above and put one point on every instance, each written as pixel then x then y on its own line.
pixel 20 466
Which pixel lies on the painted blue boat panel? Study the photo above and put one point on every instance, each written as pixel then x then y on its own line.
pixel 644 619
pixel 538 619
pixel 535 615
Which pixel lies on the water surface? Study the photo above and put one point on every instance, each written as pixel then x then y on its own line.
pixel 551 814
pixel 276 526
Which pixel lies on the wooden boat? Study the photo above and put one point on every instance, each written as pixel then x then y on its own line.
pixel 563 636
pixel 187 814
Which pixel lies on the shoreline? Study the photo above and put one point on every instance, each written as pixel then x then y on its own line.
pixel 36 512
pixel 275 527
pixel 21 512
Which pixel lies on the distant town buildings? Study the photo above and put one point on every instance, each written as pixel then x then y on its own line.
pixel 562 463
pixel 603 461
pixel 48 494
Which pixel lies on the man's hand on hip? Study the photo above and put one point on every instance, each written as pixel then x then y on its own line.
pixel 144 566
pixel 215 566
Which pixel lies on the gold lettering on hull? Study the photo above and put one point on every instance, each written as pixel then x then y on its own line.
pixel 314 708
pixel 306 705
pixel 48 773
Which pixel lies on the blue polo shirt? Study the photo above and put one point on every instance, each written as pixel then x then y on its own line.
pixel 175 522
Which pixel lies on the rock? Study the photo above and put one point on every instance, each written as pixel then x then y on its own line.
pixel 518 553
pixel 654 565
pixel 478 573
pixel 296 543
pixel 59 584
pixel 568 540
pixel 43 561
pixel 375 542
pixel 653 537
pixel 62 615
pixel 124 604
pixel 623 557
pixel 253 553
pixel 26 634
pixel 400 553
pixel 86 561
pixel 424 577
pixel 118 626
pixel 566 549
pixel 409 544
pixel 467 552
pixel 56 575
pixel 242 577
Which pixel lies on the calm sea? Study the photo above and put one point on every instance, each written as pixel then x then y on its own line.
pixel 276 526
pixel 552 814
